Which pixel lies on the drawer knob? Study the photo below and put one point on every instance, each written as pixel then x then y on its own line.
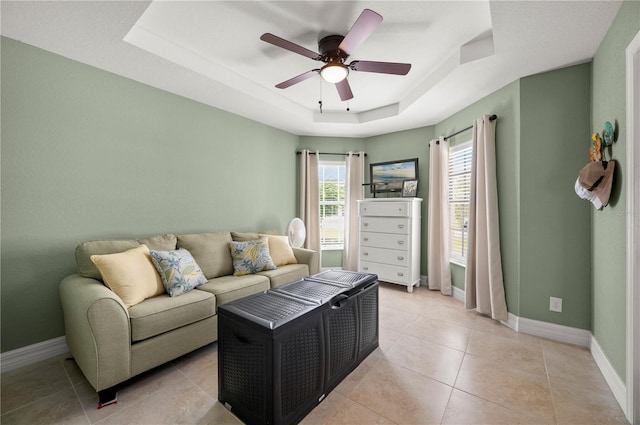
pixel 400 242
pixel 365 224
pixel 400 257
pixel 366 239
pixel 365 268
pixel 400 226
pixel 400 274
pixel 365 253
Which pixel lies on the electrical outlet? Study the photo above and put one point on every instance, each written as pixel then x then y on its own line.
pixel 555 304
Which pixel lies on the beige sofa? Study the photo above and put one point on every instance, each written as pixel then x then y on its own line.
pixel 112 343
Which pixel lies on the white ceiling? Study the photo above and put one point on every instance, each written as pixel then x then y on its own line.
pixel 210 51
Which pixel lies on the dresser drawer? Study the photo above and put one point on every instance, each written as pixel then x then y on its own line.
pixel 386 256
pixel 384 225
pixel 387 272
pixel 384 209
pixel 384 240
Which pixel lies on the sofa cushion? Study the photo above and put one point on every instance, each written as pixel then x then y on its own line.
pixel 286 274
pixel 85 250
pixel 250 236
pixel 244 236
pixel 166 242
pixel 280 250
pixel 230 288
pixel 211 252
pixel 178 270
pixel 161 314
pixel 130 274
pixel 251 256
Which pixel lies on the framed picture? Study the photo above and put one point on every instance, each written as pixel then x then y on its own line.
pixel 409 188
pixel 388 176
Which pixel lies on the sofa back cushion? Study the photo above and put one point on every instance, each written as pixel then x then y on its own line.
pixel 85 250
pixel 244 236
pixel 210 251
pixel 166 242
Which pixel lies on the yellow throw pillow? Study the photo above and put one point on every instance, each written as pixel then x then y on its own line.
pixel 130 274
pixel 280 250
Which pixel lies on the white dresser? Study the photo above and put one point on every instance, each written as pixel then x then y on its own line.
pixel 389 240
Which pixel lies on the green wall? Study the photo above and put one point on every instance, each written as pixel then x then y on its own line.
pixel 90 155
pixel 609 225
pixel 554 222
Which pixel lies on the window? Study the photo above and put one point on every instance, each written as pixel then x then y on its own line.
pixel 332 189
pixel 459 192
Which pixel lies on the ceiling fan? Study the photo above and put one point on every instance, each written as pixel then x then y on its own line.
pixel 334 50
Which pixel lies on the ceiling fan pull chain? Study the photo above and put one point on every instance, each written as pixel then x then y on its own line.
pixel 348 109
pixel 320 101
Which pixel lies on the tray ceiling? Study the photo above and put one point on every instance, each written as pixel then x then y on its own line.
pixel 211 51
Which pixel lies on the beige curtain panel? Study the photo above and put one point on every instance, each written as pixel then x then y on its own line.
pixel 354 191
pixel 310 198
pixel 438 268
pixel 484 286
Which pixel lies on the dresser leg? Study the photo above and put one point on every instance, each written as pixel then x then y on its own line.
pixel 410 288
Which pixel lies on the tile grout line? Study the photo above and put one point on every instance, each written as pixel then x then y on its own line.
pixel 34 402
pixel 73 387
pixel 546 372
pixel 136 403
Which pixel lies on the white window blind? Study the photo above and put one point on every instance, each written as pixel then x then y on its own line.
pixel 331 176
pixel 459 192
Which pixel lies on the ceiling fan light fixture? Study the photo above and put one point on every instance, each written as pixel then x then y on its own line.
pixel 334 72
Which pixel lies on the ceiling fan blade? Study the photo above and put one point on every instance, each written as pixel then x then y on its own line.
pixel 299 78
pixel 362 28
pixel 381 67
pixel 344 90
pixel 292 47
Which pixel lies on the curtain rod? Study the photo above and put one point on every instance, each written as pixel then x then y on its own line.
pixel 491 118
pixel 330 153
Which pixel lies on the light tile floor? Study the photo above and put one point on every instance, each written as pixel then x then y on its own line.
pixel 436 364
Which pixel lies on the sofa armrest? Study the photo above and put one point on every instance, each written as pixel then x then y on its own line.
pixel 309 257
pixel 97 329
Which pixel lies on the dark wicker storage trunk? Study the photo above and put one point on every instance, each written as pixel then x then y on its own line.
pixel 282 351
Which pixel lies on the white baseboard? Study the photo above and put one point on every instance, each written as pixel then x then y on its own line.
pixel 34 353
pixel 618 388
pixel 555 332
pixel 457 293
pixel 512 322
pixel 569 335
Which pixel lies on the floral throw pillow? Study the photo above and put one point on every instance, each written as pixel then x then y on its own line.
pixel 251 256
pixel 179 271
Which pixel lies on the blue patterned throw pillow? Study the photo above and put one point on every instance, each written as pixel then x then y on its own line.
pixel 251 256
pixel 179 271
